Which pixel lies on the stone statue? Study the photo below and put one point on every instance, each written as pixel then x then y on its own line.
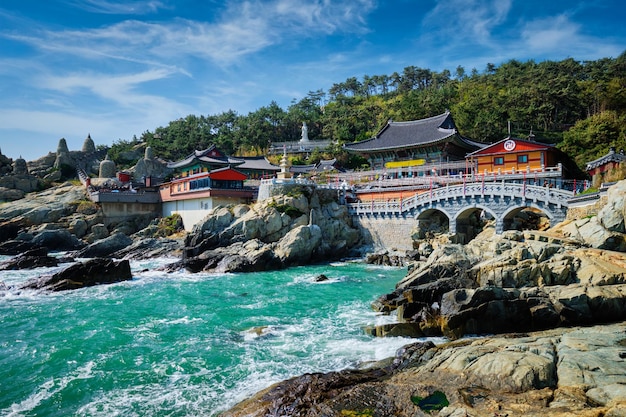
pixel 107 168
pixel 19 166
pixel 305 133
pixel 88 145
pixel 63 155
pixel 149 166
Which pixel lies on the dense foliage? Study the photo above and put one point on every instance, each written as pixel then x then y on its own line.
pixel 581 106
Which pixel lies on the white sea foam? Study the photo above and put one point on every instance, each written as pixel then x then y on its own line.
pixel 48 389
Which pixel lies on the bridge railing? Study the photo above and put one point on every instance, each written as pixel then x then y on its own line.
pixel 535 193
pixel 397 177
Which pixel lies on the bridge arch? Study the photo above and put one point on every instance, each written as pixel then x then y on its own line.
pixel 508 216
pixel 433 219
pixel 469 220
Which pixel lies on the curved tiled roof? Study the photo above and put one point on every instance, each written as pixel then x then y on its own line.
pixel 204 156
pixel 612 156
pixel 396 135
pixel 258 163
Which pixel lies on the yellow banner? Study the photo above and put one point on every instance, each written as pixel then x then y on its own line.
pixel 402 164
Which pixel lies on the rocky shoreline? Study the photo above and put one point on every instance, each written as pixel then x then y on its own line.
pixel 533 287
pixel 519 282
pixel 561 372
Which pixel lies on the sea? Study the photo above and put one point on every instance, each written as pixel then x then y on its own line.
pixel 182 344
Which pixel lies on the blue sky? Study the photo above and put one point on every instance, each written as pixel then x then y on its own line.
pixel 114 68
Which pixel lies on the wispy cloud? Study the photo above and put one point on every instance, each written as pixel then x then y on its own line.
pixel 547 37
pixel 119 89
pixel 468 19
pixel 117 7
pixel 242 29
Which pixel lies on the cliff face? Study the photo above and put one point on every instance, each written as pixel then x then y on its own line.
pixel 305 226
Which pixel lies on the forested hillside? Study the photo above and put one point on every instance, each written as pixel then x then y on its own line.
pixel 580 106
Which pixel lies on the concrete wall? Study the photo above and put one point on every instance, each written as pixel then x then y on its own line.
pixel 194 210
pixel 115 213
pixel 587 210
pixel 387 232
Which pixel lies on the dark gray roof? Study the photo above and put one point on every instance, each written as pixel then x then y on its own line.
pixel 612 156
pixel 302 169
pixel 326 165
pixel 397 135
pixel 202 156
pixel 258 163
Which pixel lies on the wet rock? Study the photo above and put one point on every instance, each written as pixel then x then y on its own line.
pixel 83 274
pixel 320 278
pixel 564 372
pixel 30 259
pixel 105 247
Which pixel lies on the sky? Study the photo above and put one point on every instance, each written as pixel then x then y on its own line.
pixel 114 69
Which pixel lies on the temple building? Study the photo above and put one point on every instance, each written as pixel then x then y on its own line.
pixel 512 156
pixel 212 158
pixel 208 178
pixel 600 168
pixel 417 146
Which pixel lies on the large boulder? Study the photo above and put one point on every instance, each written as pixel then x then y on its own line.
pixel 298 244
pixel 148 248
pixel 105 247
pixel 83 274
pixel 612 215
pixel 57 240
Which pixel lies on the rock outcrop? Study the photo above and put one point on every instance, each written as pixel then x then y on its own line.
pixel 305 226
pixel 607 229
pixel 83 274
pixel 509 283
pixel 565 372
pixel 517 281
pixel 56 219
pixel 30 259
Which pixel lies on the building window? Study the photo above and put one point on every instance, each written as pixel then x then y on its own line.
pixel 522 159
pixel 498 160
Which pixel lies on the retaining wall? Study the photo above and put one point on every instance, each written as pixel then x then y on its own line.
pixel 386 232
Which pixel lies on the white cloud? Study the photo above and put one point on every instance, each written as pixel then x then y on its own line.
pixel 463 19
pixel 243 28
pixel 117 7
pixel 118 88
pixel 560 37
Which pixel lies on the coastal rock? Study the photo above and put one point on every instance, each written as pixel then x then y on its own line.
pixel 30 259
pixel 512 282
pixel 10 194
pixel 83 274
pixel 302 227
pixel 148 248
pixel 565 372
pixel 298 244
pixel 607 230
pixel 105 247
pixel 612 216
pixel 57 240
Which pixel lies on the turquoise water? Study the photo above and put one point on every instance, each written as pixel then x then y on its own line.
pixel 182 344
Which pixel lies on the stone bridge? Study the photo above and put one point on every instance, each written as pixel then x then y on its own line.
pixel 461 204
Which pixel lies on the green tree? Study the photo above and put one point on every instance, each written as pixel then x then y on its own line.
pixel 592 137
